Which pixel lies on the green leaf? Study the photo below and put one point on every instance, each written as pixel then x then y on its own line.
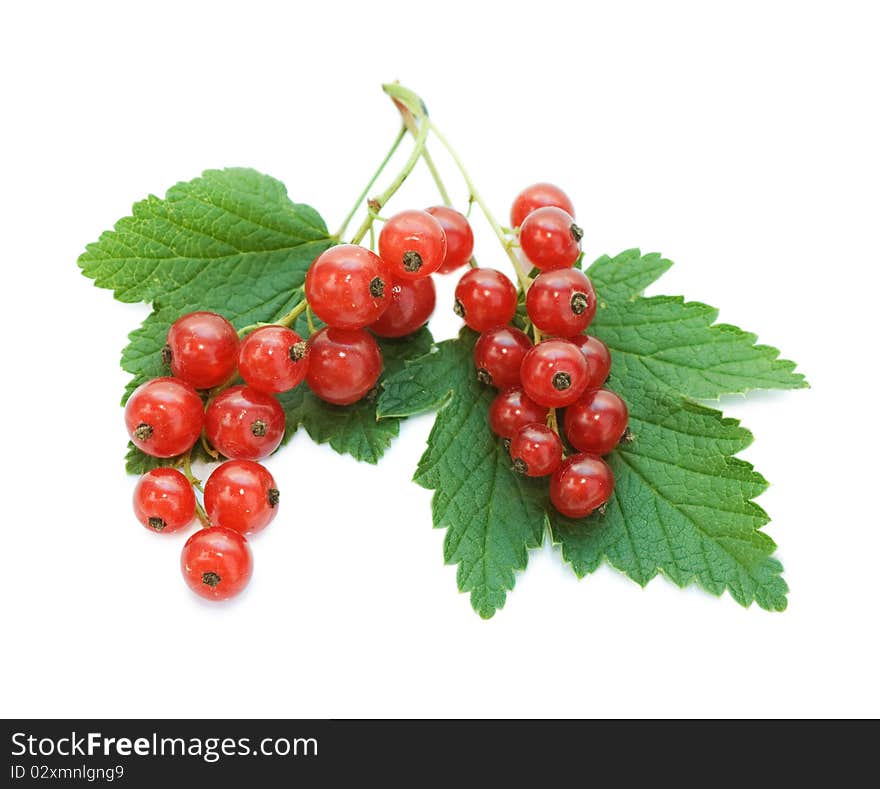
pixel 683 504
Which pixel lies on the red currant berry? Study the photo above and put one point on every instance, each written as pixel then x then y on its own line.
pixel 412 303
pixel 538 196
pixel 241 495
pixel 536 450
pixel 554 373
pixel 412 244
pixel 598 358
pixel 164 417
pixel 347 286
pixel 164 500
pixel 244 423
pixel 561 302
pixel 550 239
pixel 582 484
pixel 216 563
pixel 273 359
pixel 459 237
pixel 513 409
pixel 596 422
pixel 344 365
pixel 498 355
pixel 202 349
pixel 485 298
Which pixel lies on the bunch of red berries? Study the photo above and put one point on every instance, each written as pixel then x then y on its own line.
pixel 561 368
pixel 357 294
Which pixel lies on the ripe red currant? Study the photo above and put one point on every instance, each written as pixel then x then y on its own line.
pixel 412 303
pixel 202 349
pixel 164 500
pixel 412 244
pixel 561 302
pixel 347 286
pixel 459 237
pixel 538 196
pixel 344 364
pixel 273 359
pixel 244 423
pixel 241 495
pixel 536 450
pixel 498 355
pixel 554 373
pixel 582 484
pixel 216 563
pixel 513 409
pixel 596 422
pixel 598 358
pixel 164 417
pixel 485 298
pixel 550 239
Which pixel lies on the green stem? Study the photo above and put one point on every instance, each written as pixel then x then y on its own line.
pixel 363 195
pixel 477 198
pixel 188 472
pixel 290 317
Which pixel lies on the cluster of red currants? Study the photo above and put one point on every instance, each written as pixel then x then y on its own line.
pixel 562 368
pixel 349 288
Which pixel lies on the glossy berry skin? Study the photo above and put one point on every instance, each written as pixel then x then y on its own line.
pixel 550 239
pixel 217 563
pixel 498 355
pixel 596 422
pixel 241 495
pixel 164 417
pixel 536 450
pixel 202 349
pixel 513 409
pixel 243 423
pixel 485 298
pixel 344 365
pixel 580 485
pixel 538 196
pixel 561 302
pixel 412 303
pixel 598 358
pixel 164 500
pixel 459 237
pixel 554 373
pixel 412 244
pixel 273 359
pixel 347 286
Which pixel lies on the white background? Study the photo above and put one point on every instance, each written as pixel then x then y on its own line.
pixel 740 140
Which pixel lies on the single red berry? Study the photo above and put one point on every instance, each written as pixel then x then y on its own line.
pixel 459 237
pixel 164 417
pixel 498 355
pixel 536 450
pixel 347 286
pixel 164 500
pixel 412 303
pixel 485 298
pixel 550 239
pixel 344 364
pixel 561 302
pixel 538 196
pixel 412 244
pixel 554 373
pixel 273 359
pixel 582 484
pixel 598 358
pixel 217 563
pixel 241 495
pixel 513 409
pixel 596 422
pixel 202 349
pixel 244 423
